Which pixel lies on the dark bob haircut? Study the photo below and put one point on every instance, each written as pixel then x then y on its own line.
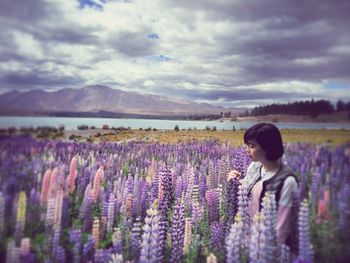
pixel 268 137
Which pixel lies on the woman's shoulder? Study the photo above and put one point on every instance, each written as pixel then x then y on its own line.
pixel 254 165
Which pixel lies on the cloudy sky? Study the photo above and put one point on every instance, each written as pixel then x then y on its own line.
pixel 224 52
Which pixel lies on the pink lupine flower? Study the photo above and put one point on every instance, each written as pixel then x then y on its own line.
pixel 25 246
pixel 97 182
pixel 45 187
pixel 72 175
pixel 323 208
pixel 96 232
pixel 58 209
pixel 53 184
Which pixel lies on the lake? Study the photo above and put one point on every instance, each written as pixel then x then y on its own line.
pixel 72 123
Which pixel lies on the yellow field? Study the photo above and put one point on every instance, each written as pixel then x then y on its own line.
pixel 332 137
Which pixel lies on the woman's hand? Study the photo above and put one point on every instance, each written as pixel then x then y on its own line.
pixel 234 174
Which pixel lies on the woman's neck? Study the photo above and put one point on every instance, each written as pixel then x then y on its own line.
pixel 271 166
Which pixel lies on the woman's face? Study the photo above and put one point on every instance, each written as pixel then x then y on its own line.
pixel 255 152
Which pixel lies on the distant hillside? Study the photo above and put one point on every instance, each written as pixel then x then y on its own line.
pixel 98 100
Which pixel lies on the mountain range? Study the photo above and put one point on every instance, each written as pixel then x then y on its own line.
pixel 100 101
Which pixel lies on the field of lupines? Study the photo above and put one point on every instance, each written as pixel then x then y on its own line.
pixel 152 202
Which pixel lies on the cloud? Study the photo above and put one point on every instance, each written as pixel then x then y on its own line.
pixel 222 52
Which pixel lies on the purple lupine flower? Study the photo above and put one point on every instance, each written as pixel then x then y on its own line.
pixel 344 207
pixel 117 241
pixel 211 176
pixel 149 243
pixel 177 232
pixel 12 252
pixel 101 256
pixel 110 213
pixel 232 201
pixel 58 252
pixel 285 255
pixel 202 188
pixel 144 199
pixel 105 207
pixel 136 201
pixel 217 236
pixel 85 209
pixel 116 258
pixel 155 186
pixel 243 203
pixel 178 187
pixel 305 246
pixel 60 255
pixel 75 239
pixel 165 191
pixel 196 214
pixel 2 214
pixel 136 239
pixel 88 249
pixel 213 206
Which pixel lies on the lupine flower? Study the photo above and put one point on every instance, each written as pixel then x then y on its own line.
pixel 217 236
pixel 149 244
pixel 269 210
pixel 232 200
pixel 344 206
pixel 12 253
pixel 53 184
pixel 97 183
pixel 75 239
pixel 110 215
pixel 136 239
pixel 25 247
pixel 116 258
pixel 211 258
pixel 88 249
pixel 243 203
pixel 213 206
pixel 196 213
pixel 177 232
pixel 101 256
pixel 117 241
pixel 96 232
pixel 72 175
pixel 165 188
pixel 223 169
pixel 211 176
pixel 234 242
pixel 58 209
pixel 188 234
pixel 58 252
pixel 2 214
pixel 323 208
pixel 305 246
pixel 45 187
pixel 285 254
pixel 21 215
pixel 50 213
pixel 257 243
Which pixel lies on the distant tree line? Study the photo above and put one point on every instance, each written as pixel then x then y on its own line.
pixel 311 108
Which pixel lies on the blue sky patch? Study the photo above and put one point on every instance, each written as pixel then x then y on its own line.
pixel 160 58
pixel 153 36
pixel 89 3
pixel 336 85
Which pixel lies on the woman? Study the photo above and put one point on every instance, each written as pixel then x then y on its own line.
pixel 267 173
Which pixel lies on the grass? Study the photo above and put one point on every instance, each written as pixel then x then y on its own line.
pixel 331 137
